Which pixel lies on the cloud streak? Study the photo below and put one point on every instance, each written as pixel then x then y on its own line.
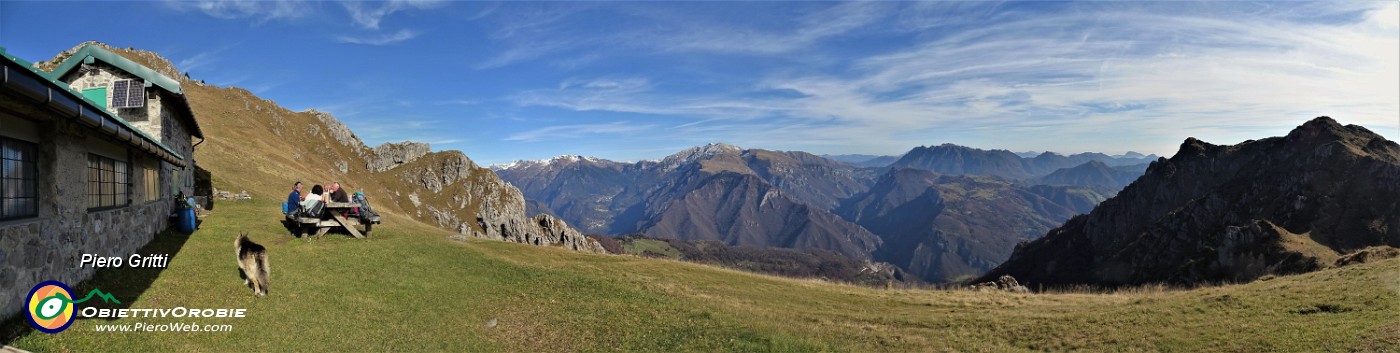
pixel 1099 76
pixel 379 39
pixel 369 14
pixel 567 132
pixel 259 10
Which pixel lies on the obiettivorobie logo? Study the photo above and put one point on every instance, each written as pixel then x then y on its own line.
pixel 52 307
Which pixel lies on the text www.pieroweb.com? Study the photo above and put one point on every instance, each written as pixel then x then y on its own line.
pixel 167 327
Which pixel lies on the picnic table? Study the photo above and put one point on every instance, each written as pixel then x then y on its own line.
pixel 338 218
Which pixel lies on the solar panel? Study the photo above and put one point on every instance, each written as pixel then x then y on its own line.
pixel 128 94
pixel 119 91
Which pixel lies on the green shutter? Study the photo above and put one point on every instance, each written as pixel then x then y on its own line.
pixel 97 95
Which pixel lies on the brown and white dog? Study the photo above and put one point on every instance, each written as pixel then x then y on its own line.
pixel 252 261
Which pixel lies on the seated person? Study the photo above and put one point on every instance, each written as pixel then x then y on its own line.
pixel 312 198
pixel 294 198
pixel 338 194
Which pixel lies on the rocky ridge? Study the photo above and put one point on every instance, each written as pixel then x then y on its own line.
pixel 953 159
pixel 1212 213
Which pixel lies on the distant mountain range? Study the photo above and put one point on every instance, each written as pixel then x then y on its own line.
pixel 1214 213
pixel 960 160
pixel 863 160
pixel 1095 175
pixel 941 227
pixel 936 226
pixel 712 192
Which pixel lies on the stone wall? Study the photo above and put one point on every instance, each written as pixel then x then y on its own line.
pixel 177 136
pixel 100 74
pixel 50 245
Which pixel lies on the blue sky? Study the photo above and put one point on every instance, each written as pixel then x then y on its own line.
pixel 640 80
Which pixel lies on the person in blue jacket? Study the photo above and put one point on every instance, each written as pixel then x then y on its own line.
pixel 294 198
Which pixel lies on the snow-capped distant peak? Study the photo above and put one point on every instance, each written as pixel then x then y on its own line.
pixel 518 164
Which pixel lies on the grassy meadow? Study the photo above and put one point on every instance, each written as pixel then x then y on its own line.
pixel 410 288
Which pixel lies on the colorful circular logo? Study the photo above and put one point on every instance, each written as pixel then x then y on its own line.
pixel 50 306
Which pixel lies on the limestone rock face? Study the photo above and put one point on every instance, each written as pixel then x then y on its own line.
pixel 555 231
pixel 456 193
pixel 1213 213
pixel 340 133
pixel 390 155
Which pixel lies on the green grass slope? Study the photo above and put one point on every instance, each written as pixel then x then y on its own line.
pixel 410 288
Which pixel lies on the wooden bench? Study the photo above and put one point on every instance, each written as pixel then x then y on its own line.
pixel 337 211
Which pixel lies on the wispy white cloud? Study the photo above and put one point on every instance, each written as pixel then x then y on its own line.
pixel 562 132
pixel 258 10
pixel 638 95
pixel 525 52
pixel 690 34
pixel 203 58
pixel 1112 71
pixel 197 61
pixel 369 14
pixel 380 38
pixel 1086 77
pixel 529 32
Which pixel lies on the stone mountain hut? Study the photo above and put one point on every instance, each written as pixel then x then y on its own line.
pixel 92 156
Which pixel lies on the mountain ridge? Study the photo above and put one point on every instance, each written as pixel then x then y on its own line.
pixel 1277 205
pixel 962 160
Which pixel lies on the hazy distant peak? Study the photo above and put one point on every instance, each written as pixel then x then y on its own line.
pixel 698 153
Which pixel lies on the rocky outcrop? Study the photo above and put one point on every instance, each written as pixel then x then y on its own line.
pixel 340 133
pixel 1215 213
pixel 454 192
pixel 555 231
pixel 1004 284
pixel 543 230
pixel 389 155
pixel 1370 254
pixel 442 172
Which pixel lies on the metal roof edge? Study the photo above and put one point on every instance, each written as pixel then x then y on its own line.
pixel 121 62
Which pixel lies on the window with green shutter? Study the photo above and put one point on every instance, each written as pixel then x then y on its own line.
pixel 97 95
